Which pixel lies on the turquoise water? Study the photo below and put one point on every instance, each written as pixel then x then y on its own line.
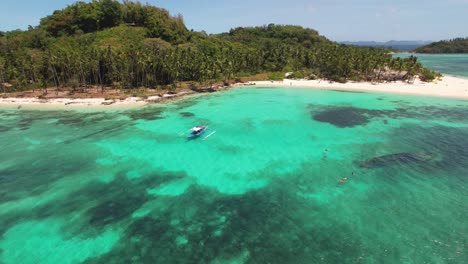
pixel 128 187
pixel 452 64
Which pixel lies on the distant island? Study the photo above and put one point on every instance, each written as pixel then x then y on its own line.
pixel 399 45
pixel 107 44
pixel 458 45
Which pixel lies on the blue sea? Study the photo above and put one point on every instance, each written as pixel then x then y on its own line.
pixel 451 64
pixel 280 176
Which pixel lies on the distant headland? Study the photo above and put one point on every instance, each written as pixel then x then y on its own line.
pixel 457 45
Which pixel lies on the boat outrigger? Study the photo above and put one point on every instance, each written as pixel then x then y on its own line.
pixel 197 131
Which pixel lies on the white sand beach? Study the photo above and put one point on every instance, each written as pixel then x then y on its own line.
pixel 70 103
pixel 86 102
pixel 447 86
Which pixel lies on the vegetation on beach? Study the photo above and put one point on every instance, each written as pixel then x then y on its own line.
pixel 458 45
pixel 128 45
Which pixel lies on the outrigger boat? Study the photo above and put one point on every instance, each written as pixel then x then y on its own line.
pixel 197 131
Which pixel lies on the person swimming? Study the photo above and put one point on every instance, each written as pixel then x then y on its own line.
pixel 325 154
pixel 343 180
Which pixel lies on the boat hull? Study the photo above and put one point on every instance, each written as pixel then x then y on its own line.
pixel 197 134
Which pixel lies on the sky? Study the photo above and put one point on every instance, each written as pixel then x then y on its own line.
pixel 338 20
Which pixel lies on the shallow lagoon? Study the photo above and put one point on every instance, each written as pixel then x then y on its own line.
pixel 127 187
pixel 452 64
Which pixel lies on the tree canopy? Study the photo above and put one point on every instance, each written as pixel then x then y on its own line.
pixel 82 17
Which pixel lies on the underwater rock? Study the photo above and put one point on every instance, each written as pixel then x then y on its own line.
pixel 398 158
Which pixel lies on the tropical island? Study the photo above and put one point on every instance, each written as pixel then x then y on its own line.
pixel 306 151
pixel 457 45
pixel 114 50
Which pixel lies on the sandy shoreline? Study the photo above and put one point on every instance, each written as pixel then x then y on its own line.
pixel 129 102
pixel 448 86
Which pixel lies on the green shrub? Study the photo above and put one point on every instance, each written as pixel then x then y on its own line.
pixel 337 78
pixel 276 76
pixel 427 75
pixel 296 75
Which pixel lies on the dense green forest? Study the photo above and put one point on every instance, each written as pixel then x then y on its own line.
pixel 458 45
pixel 128 45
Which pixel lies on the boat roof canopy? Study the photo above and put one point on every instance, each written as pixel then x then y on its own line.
pixel 197 128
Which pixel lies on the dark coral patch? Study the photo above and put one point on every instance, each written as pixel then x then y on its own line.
pixel 343 116
pixel 397 159
pixel 187 114
pixel 81 119
pixel 185 103
pixel 450 143
pixel 69 118
pixel 269 223
pixel 348 116
pixel 101 132
pixel 114 210
pixel 150 113
pixel 231 149
pixel 4 128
